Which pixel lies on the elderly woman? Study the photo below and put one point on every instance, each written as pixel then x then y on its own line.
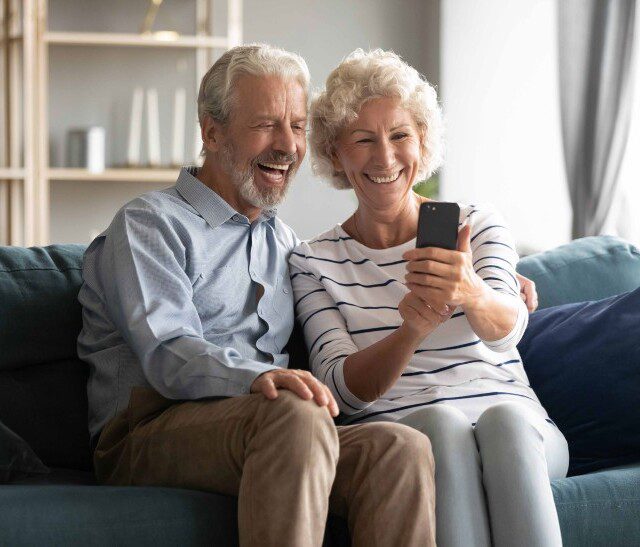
pixel 426 336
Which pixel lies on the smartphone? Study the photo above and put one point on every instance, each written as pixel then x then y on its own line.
pixel 438 225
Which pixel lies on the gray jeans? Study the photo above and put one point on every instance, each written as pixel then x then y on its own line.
pixel 492 480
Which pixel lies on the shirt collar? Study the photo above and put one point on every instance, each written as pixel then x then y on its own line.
pixel 208 203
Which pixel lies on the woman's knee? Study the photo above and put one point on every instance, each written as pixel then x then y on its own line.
pixel 506 422
pixel 438 421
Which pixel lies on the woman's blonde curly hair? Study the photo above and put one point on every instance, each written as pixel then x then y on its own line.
pixel 360 77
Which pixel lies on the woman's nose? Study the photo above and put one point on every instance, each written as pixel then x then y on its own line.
pixel 384 155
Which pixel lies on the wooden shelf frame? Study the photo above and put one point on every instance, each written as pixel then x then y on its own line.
pixel 114 39
pixel 115 175
pixel 26 186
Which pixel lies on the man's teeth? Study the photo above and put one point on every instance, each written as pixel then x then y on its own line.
pixel 384 180
pixel 280 167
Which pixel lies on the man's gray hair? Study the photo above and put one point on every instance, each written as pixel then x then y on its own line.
pixel 215 97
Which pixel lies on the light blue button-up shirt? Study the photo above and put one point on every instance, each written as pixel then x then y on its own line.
pixel 170 299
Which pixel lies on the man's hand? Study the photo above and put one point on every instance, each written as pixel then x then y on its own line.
pixel 301 382
pixel 528 292
pixel 444 278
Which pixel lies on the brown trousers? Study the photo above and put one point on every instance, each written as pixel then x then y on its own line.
pixel 285 460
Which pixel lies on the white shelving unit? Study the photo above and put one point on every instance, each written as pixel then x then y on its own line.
pixel 25 173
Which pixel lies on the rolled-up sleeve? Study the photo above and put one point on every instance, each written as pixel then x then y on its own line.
pixel 148 295
pixel 494 260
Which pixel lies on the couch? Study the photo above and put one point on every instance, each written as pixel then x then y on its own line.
pixel 43 399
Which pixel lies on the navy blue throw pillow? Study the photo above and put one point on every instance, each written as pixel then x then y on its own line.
pixel 583 361
pixel 17 459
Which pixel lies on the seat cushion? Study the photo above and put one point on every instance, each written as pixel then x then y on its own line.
pixel 601 509
pixel 74 515
pixel 590 268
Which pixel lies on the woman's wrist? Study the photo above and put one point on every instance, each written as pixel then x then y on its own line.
pixel 479 301
pixel 411 335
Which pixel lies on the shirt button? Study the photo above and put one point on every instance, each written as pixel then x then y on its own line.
pixel 285 291
pixel 236 218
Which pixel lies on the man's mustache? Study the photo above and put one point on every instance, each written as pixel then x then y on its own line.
pixel 278 158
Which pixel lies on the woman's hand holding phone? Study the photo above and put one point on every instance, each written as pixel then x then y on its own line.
pixel 441 277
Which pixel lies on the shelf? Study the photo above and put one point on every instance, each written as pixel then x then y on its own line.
pixel 115 175
pixel 11 173
pixel 112 39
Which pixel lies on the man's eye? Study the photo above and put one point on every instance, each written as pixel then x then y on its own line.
pixel 298 128
pixel 400 136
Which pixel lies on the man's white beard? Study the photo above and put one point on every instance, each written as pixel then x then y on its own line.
pixel 263 198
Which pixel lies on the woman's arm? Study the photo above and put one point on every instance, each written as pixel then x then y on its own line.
pixel 491 303
pixel 371 372
pixel 355 377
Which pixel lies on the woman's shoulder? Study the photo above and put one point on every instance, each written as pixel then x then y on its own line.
pixel 480 215
pixel 324 242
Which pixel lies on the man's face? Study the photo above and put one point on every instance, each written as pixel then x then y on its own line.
pixel 264 140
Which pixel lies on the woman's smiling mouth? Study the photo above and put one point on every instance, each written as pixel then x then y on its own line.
pixel 384 179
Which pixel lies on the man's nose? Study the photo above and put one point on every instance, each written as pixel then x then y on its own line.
pixel 285 141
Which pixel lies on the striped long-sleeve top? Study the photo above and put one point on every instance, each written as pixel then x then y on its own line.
pixel 347 298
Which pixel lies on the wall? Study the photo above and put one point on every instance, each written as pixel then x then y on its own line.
pixel 499 85
pixel 93 86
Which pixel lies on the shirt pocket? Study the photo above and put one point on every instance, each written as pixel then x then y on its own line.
pixel 219 296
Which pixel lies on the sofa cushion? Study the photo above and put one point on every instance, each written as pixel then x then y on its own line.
pixel 46 405
pixel 17 459
pixel 73 515
pixel 40 316
pixel 601 509
pixel 590 268
pixel 583 361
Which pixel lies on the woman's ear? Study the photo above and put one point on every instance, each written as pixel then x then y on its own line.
pixel 212 132
pixel 337 164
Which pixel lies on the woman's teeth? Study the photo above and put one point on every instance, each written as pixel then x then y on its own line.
pixel 384 180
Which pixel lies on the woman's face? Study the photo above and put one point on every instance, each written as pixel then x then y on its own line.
pixel 380 153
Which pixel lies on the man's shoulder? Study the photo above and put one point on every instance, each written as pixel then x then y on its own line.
pixel 158 208
pixel 285 234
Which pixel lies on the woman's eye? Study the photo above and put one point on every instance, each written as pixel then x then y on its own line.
pixel 364 140
pixel 399 136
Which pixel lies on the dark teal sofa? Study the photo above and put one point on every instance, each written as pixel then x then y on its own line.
pixel 43 399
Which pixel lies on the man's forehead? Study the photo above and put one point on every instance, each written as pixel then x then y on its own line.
pixel 264 93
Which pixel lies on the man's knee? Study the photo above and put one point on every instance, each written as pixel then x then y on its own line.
pixel 299 424
pixel 399 443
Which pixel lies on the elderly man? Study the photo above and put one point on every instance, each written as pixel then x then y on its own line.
pixel 187 306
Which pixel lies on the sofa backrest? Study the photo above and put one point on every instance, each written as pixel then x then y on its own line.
pixel 42 382
pixel 590 268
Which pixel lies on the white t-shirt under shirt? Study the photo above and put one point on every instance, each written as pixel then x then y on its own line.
pixel 347 298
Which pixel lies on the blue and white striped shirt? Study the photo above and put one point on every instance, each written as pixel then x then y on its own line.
pixel 347 298
pixel 170 299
